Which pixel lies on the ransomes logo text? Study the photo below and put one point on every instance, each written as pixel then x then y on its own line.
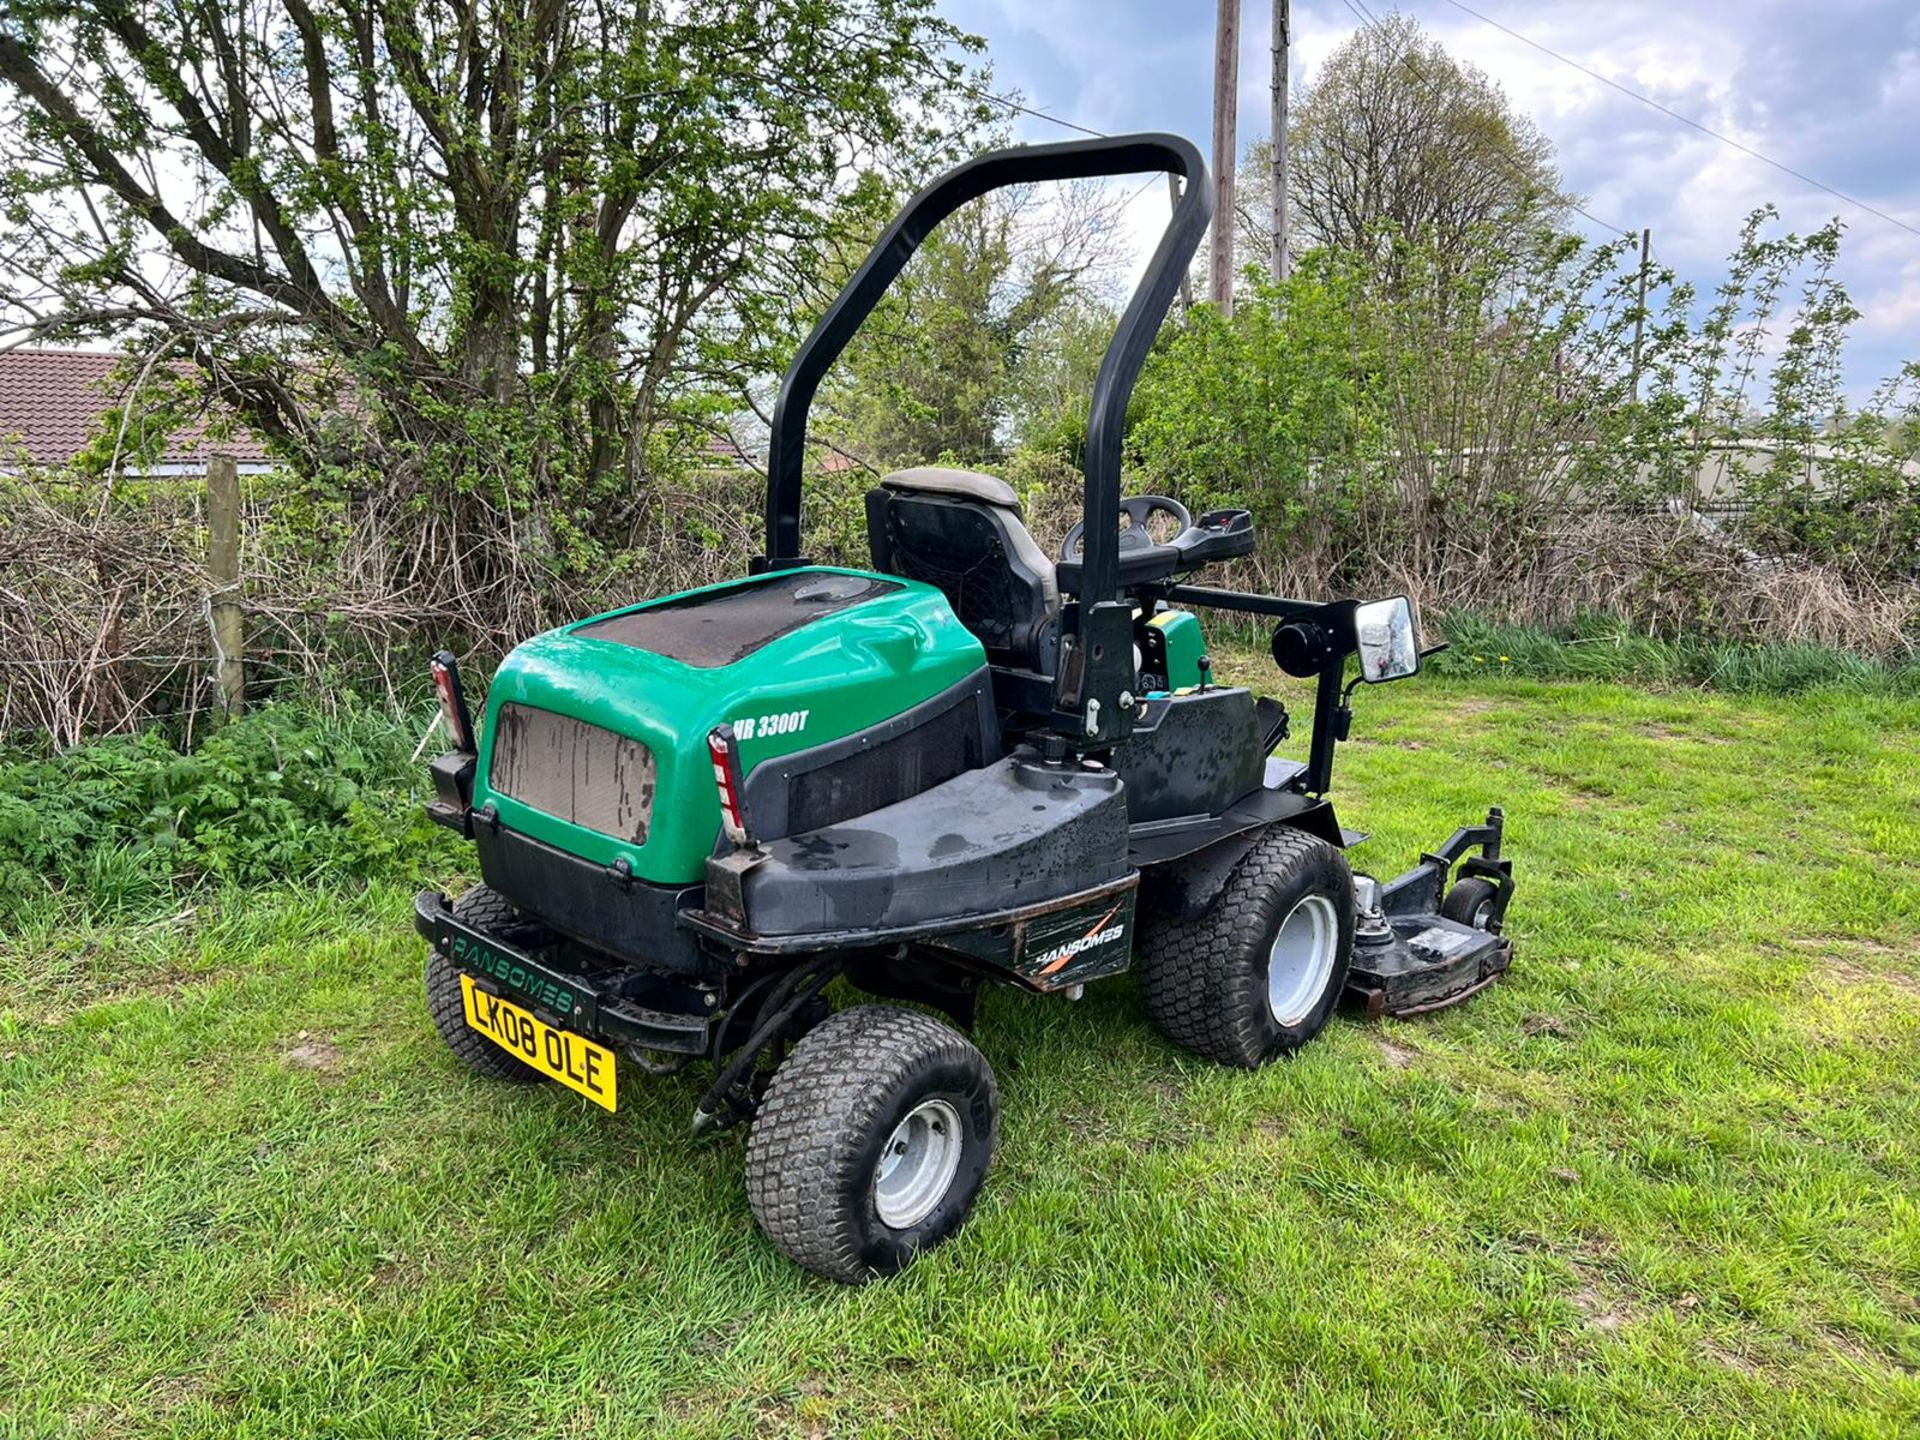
pixel 537 988
pixel 1060 954
pixel 1099 933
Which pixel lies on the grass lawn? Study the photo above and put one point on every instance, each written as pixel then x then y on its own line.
pixel 1665 1180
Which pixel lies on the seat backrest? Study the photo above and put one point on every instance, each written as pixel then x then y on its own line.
pixel 961 532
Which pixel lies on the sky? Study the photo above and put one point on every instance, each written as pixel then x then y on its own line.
pixel 1830 88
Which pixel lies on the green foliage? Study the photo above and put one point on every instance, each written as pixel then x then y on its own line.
pixel 1399 419
pixel 1266 411
pixel 992 333
pixel 462 266
pixel 1503 428
pixel 286 794
pixel 1847 493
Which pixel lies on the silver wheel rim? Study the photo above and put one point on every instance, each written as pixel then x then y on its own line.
pixel 917 1164
pixel 1301 959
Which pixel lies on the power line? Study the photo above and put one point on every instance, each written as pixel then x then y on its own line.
pixel 1686 120
pixel 1015 106
pixel 1367 18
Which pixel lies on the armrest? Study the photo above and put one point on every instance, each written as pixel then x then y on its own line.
pixel 1216 535
pixel 1137 567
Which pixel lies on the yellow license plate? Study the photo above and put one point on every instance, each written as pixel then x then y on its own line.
pixel 575 1061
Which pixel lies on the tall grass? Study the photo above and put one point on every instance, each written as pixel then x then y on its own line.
pixel 1601 647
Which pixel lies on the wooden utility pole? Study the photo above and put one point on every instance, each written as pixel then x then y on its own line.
pixel 1640 312
pixel 1282 40
pixel 1226 84
pixel 223 567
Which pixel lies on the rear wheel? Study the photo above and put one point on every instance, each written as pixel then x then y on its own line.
pixel 1258 975
pixel 872 1142
pixel 487 910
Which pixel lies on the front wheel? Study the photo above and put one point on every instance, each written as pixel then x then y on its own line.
pixel 872 1142
pixel 1470 901
pixel 1258 975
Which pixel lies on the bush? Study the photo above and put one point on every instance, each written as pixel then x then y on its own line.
pixel 127 825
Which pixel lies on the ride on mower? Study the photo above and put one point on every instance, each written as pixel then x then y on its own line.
pixel 967 764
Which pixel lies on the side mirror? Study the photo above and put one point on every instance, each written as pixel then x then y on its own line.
pixel 1389 647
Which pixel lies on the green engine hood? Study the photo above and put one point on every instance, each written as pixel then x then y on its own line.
pixel 833 675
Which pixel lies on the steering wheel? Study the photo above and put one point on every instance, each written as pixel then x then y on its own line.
pixel 1136 536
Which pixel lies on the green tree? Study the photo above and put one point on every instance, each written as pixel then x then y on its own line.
pixel 987 336
pixel 1394 134
pixel 458 249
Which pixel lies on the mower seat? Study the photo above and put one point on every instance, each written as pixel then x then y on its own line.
pixel 960 532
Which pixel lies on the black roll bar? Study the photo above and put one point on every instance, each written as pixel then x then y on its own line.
pixel 1021 165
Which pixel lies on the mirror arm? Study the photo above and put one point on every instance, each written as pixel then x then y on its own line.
pixel 1330 719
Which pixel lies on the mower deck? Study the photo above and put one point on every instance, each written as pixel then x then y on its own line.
pixel 1409 958
pixel 1421 963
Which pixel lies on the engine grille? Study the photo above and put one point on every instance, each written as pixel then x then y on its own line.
pixel 887 773
pixel 573 771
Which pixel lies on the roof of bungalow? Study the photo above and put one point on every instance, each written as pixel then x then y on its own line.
pixel 54 403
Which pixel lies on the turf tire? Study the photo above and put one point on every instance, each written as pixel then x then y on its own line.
pixel 1205 980
pixel 815 1150
pixel 486 910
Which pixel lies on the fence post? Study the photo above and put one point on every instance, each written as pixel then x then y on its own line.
pixel 223 566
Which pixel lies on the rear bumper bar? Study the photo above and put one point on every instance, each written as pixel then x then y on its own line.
pixel 588 1005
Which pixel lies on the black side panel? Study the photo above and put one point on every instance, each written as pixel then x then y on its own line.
pixel 1015 833
pixel 719 627
pixel 921 747
pixel 633 921
pixel 1192 755
pixel 1185 883
pixel 1087 937
pixel 1274 723
pixel 1161 845
pixel 889 772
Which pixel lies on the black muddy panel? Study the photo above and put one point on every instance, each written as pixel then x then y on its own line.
pixel 922 746
pixel 720 627
pixel 1193 754
pixel 633 921
pixel 1010 834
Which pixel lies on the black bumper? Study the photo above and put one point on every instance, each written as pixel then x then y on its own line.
pixel 603 909
pixel 590 1005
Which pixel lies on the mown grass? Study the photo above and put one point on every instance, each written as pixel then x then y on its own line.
pixel 1665 1180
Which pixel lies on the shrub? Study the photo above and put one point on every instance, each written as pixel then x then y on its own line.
pixel 285 794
